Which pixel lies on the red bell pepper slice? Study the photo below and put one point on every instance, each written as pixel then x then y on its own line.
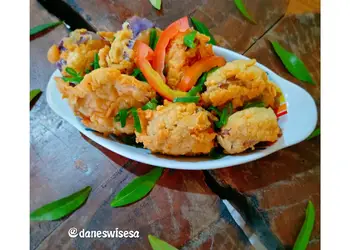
pixel 143 54
pixel 193 73
pixel 170 32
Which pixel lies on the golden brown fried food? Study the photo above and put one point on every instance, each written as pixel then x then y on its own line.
pixel 246 128
pixel 177 129
pixel 76 51
pixel 239 81
pixel 101 94
pixel 145 35
pixel 120 54
pixel 179 56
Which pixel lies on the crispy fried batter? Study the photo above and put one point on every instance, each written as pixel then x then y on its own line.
pixel 120 54
pixel 179 56
pixel 239 81
pixel 246 128
pixel 101 94
pixel 145 35
pixel 76 51
pixel 177 129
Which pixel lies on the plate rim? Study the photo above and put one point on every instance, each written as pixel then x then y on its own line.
pixel 174 163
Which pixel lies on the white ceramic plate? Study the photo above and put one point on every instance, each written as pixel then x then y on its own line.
pixel 296 126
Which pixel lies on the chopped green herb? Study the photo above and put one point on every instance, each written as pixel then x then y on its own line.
pixel 189 39
pixel 194 99
pixel 223 119
pixel 123 115
pixel 136 72
pixel 216 153
pixel 200 84
pixel 223 115
pixel 215 109
pixel 200 27
pixel 42 27
pixel 152 105
pixel 95 64
pixel 213 70
pixel 71 71
pixel 138 75
pixel 75 76
pixel 254 105
pixel 137 123
pixel 153 38
pixel 305 232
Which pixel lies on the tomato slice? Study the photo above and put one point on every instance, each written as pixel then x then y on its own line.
pixel 193 73
pixel 169 33
pixel 143 54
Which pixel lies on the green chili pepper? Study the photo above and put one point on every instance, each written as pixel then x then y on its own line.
pixel 194 99
pixel 189 39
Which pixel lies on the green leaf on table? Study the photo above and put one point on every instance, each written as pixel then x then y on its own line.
pixel 42 27
pixel 34 93
pixel 254 105
pixel 315 133
pixel 201 28
pixel 153 38
pixel 156 3
pixel 62 207
pixel 293 64
pixel 137 189
pixel 158 244
pixel 239 4
pixel 305 232
pixel 189 39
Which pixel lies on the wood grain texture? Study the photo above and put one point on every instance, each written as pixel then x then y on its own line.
pixel 180 209
pixel 303 6
pixel 223 19
pixel 279 186
pixel 61 162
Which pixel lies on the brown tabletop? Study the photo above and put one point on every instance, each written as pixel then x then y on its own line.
pixel 184 208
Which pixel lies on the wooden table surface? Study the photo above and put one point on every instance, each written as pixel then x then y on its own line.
pixel 184 208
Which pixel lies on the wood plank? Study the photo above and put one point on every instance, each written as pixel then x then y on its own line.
pixel 180 209
pixel 303 6
pixel 61 162
pixel 279 186
pixel 222 17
